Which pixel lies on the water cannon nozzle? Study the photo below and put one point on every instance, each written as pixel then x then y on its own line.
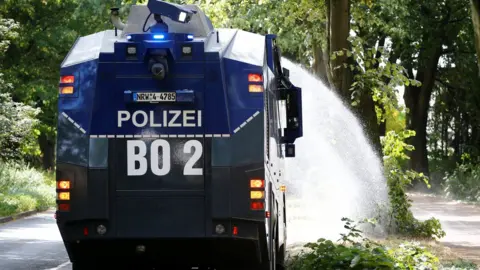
pixel 115 18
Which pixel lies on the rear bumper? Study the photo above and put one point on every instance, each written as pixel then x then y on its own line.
pixel 242 243
pixel 173 252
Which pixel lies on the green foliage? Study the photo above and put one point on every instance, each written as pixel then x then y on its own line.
pixel 463 182
pixel 8 32
pixel 401 219
pixel 395 119
pixel 17 120
pixel 17 133
pixel 460 265
pixel 23 188
pixel 297 33
pixel 10 204
pixel 356 252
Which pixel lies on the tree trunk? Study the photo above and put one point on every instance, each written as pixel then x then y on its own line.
pixel 47 146
pixel 382 128
pixel 319 66
pixel 339 30
pixel 368 116
pixel 340 77
pixel 475 4
pixel 417 100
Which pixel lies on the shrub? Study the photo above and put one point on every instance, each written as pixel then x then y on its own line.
pixel 355 252
pixel 23 188
pixel 463 182
pixel 460 265
pixel 400 218
pixel 10 204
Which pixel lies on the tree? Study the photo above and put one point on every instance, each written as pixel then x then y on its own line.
pixel 475 7
pixel 47 31
pixel 17 120
pixel 432 33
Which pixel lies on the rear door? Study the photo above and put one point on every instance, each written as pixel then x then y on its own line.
pixel 157 169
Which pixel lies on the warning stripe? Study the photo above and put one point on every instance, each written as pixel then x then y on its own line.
pixel 179 135
pixel 164 136
pixel 245 123
pixel 74 123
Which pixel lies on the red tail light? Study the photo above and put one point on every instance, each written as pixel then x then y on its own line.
pixel 64 207
pixel 252 77
pixel 257 205
pixel 67 79
pixel 235 230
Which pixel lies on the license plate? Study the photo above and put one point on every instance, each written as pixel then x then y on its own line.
pixel 155 97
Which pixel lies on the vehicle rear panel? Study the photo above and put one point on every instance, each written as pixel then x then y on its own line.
pixel 176 173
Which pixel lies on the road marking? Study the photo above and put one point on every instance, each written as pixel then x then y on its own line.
pixel 60 266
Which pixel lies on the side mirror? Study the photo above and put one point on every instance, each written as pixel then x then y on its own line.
pixel 294 129
pixel 283 89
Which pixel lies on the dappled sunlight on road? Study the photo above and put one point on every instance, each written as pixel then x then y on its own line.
pixel 460 221
pixel 43 229
pixel 31 243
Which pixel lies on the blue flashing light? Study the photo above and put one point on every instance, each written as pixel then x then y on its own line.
pixel 158 36
pixel 190 37
pixel 129 37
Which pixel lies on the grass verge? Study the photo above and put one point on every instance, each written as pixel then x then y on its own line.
pixel 23 188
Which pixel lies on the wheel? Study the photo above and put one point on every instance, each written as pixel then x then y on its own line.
pixel 81 266
pixel 273 262
pixel 93 266
pixel 281 264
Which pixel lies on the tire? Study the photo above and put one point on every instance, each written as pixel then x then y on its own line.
pixel 92 266
pixel 81 266
pixel 273 263
pixel 280 265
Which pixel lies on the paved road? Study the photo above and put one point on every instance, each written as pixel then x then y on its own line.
pixel 32 243
pixel 460 221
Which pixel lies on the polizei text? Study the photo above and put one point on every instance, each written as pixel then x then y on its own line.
pixel 166 118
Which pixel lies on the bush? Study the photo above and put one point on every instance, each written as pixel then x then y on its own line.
pixel 400 219
pixel 17 128
pixel 361 254
pixel 23 188
pixel 463 182
pixel 10 204
pixel 460 265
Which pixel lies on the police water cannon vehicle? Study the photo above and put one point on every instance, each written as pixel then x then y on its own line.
pixel 172 137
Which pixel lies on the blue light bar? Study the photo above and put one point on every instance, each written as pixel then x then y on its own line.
pixel 190 37
pixel 158 36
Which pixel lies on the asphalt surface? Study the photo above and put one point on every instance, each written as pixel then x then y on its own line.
pixel 33 243
pixel 460 221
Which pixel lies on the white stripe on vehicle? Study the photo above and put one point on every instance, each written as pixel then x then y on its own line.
pixel 242 125
pixel 163 136
pixel 74 123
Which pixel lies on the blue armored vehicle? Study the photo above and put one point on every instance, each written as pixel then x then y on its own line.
pixel 171 143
